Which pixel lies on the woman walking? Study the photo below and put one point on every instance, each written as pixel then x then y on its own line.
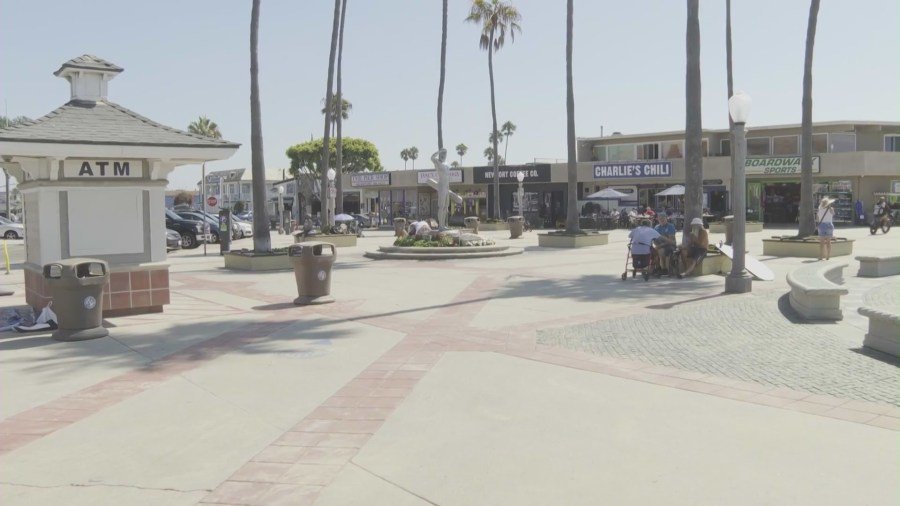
pixel 825 219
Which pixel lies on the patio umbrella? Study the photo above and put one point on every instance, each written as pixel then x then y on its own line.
pixel 672 190
pixel 344 217
pixel 606 194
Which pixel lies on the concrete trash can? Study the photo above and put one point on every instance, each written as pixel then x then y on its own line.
pixel 516 225
pixel 399 226
pixel 729 228
pixel 312 263
pixel 472 222
pixel 76 285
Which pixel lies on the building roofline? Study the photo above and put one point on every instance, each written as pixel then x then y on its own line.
pixel 760 127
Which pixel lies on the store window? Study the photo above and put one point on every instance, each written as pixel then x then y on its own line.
pixel 786 145
pixel 673 149
pixel 649 151
pixel 758 146
pixel 599 153
pixel 620 152
pixel 725 147
pixel 892 143
pixel 841 143
pixel 819 143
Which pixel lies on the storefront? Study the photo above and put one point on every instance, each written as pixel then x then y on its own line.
pixel 544 201
pixel 371 188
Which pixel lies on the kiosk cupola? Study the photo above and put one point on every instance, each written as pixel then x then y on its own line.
pixel 88 77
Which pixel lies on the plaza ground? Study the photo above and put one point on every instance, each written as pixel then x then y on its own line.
pixel 534 379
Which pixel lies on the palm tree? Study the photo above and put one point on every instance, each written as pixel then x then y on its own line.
pixel 693 158
pixel 495 135
pixel 730 80
pixel 339 147
pixel 262 242
pixel 440 104
pixel 507 130
pixel 205 127
pixel 572 225
pixel 413 154
pixel 496 18
pixel 405 156
pixel 455 164
pixel 346 107
pixel 807 224
pixel 489 155
pixel 461 150
pixel 329 99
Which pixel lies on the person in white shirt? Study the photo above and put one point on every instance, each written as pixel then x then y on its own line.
pixel 825 220
pixel 641 238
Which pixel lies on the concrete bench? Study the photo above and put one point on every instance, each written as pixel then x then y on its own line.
pixel 876 267
pixel 816 291
pixel 881 306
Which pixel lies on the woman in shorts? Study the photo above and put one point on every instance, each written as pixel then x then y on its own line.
pixel 825 220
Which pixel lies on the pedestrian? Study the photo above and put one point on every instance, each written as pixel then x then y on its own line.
pixel 825 220
pixel 694 248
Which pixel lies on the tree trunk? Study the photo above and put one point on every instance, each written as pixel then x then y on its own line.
pixel 339 144
pixel 440 104
pixel 262 242
pixel 807 222
pixel 693 158
pixel 730 83
pixel 572 207
pixel 496 159
pixel 329 97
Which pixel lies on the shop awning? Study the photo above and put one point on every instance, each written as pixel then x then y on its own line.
pixel 672 190
pixel 606 194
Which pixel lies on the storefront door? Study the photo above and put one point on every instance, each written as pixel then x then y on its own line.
pixel 754 201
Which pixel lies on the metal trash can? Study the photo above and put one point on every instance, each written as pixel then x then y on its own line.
pixel 312 261
pixel 399 226
pixel 516 225
pixel 472 222
pixel 729 228
pixel 76 285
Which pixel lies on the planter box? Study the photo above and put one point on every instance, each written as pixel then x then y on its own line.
pixel 339 240
pixel 572 241
pixel 492 227
pixel 805 248
pixel 750 227
pixel 238 262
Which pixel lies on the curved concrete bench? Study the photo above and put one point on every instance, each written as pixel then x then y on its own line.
pixel 881 306
pixel 876 267
pixel 816 291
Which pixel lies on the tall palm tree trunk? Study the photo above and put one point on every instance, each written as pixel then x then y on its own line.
pixel 730 80
pixel 338 183
pixel 807 223
pixel 262 242
pixel 572 206
pixel 329 98
pixel 440 104
pixel 496 159
pixel 693 158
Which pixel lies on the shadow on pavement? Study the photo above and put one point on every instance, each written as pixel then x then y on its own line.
pixel 877 355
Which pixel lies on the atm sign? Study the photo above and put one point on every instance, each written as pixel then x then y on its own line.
pixel 113 169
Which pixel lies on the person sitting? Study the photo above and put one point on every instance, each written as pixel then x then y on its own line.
pixel 648 211
pixel 665 245
pixel 422 229
pixel 694 248
pixel 641 238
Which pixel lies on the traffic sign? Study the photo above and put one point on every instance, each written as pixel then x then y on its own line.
pixel 212 201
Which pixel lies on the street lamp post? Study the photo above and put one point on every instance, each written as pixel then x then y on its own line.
pixel 739 108
pixel 520 177
pixel 332 193
pixel 280 209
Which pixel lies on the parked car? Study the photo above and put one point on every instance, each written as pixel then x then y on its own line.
pixel 211 224
pixel 173 240
pixel 192 231
pixel 235 228
pixel 11 230
pixel 246 227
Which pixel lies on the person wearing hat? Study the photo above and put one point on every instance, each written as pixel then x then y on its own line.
pixel 880 210
pixel 694 248
pixel 825 227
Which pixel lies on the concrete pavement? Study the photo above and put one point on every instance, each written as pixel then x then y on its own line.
pixel 435 383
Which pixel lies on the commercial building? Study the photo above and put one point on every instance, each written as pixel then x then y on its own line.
pixel 228 187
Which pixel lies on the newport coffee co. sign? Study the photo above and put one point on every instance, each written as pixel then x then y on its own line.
pixel 509 174
pixel 114 169
pixel 778 166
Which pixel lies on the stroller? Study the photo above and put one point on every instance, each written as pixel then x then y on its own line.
pixel 642 263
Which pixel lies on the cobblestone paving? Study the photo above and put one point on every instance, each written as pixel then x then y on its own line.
pixel 886 296
pixel 744 338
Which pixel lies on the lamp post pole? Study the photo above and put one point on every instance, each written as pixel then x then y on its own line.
pixel 331 195
pixel 738 281
pixel 281 209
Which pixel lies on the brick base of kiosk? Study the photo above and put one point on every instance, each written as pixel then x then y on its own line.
pixel 130 290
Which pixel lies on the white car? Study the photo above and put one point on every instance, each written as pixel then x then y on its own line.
pixel 11 230
pixel 246 227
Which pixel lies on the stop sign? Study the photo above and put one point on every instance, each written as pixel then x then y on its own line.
pixel 212 201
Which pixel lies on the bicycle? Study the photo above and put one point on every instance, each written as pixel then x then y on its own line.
pixel 884 222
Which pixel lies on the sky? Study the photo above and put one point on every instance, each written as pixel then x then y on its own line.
pixel 187 58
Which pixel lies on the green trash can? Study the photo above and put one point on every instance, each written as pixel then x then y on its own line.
pixel 516 226
pixel 76 285
pixel 312 262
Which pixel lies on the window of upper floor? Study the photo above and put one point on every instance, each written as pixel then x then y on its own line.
pixel 892 142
